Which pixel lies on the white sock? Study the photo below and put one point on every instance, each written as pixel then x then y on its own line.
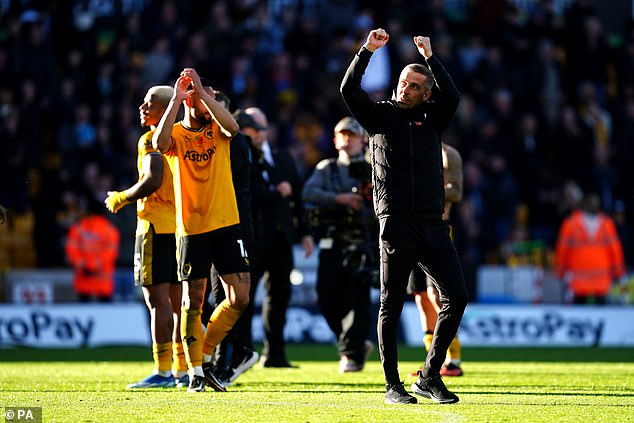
pixel 165 373
pixel 198 371
pixel 206 358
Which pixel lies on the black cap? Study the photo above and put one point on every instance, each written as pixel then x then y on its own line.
pixel 246 120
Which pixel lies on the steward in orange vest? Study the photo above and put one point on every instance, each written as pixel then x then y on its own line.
pixel 92 247
pixel 588 254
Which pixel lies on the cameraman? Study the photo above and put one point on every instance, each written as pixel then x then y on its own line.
pixel 336 190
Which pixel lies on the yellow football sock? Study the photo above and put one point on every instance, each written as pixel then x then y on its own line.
pixel 221 321
pixel 192 335
pixel 427 340
pixel 162 355
pixel 179 363
pixel 453 353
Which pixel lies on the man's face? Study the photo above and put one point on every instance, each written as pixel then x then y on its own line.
pixel 259 135
pixel 258 138
pixel 198 110
pixel 151 110
pixel 411 89
pixel 349 142
pixel 251 133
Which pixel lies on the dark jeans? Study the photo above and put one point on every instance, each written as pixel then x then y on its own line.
pixel 344 301
pixel 404 242
pixel 276 259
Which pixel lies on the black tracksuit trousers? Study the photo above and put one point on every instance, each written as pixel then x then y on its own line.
pixel 344 301
pixel 404 242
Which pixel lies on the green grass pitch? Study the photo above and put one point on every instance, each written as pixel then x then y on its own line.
pixel 499 385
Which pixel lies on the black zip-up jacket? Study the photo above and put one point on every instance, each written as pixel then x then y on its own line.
pixel 405 143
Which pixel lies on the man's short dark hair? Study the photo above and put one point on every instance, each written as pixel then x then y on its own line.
pixel 221 97
pixel 424 70
pixel 245 120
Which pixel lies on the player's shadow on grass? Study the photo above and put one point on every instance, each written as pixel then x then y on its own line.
pixel 346 387
pixel 547 394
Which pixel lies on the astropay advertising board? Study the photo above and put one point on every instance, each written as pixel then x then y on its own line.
pixel 535 325
pixel 94 325
pixel 74 325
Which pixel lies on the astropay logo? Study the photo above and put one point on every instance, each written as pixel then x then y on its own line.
pixel 547 328
pixel 39 326
pixel 199 157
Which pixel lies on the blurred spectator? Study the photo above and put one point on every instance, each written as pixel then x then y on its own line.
pixel 603 178
pixel 589 53
pixel 543 202
pixel 623 151
pixel 571 198
pixel 572 140
pixel 527 152
pixel 589 255
pixel 13 162
pixel 308 146
pixel 520 249
pixel 31 121
pixel 92 248
pixel 55 208
pixel 468 227
pixel 593 114
pixel 158 63
pixel 546 75
pixel 33 55
pixel 500 189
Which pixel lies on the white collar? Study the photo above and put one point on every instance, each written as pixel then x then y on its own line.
pixel 266 151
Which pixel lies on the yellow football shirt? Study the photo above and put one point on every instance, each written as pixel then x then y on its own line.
pixel 203 187
pixel 157 208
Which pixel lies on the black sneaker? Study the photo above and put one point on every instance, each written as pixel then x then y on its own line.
pixel 245 359
pixel 224 376
pixel 396 394
pixel 434 389
pixel 211 379
pixel 196 384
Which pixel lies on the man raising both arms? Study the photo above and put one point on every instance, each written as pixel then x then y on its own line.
pixel 155 247
pixel 207 221
pixel 409 200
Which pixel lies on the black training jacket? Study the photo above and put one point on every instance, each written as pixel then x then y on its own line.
pixel 405 143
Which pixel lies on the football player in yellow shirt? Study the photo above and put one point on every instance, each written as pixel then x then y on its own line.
pixel 207 220
pixel 155 247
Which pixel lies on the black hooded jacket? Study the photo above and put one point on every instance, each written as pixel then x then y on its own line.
pixel 405 143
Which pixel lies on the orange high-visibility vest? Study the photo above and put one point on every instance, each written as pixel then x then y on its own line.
pixel 591 261
pixel 92 248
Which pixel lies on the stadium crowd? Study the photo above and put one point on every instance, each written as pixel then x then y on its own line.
pixel 547 107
